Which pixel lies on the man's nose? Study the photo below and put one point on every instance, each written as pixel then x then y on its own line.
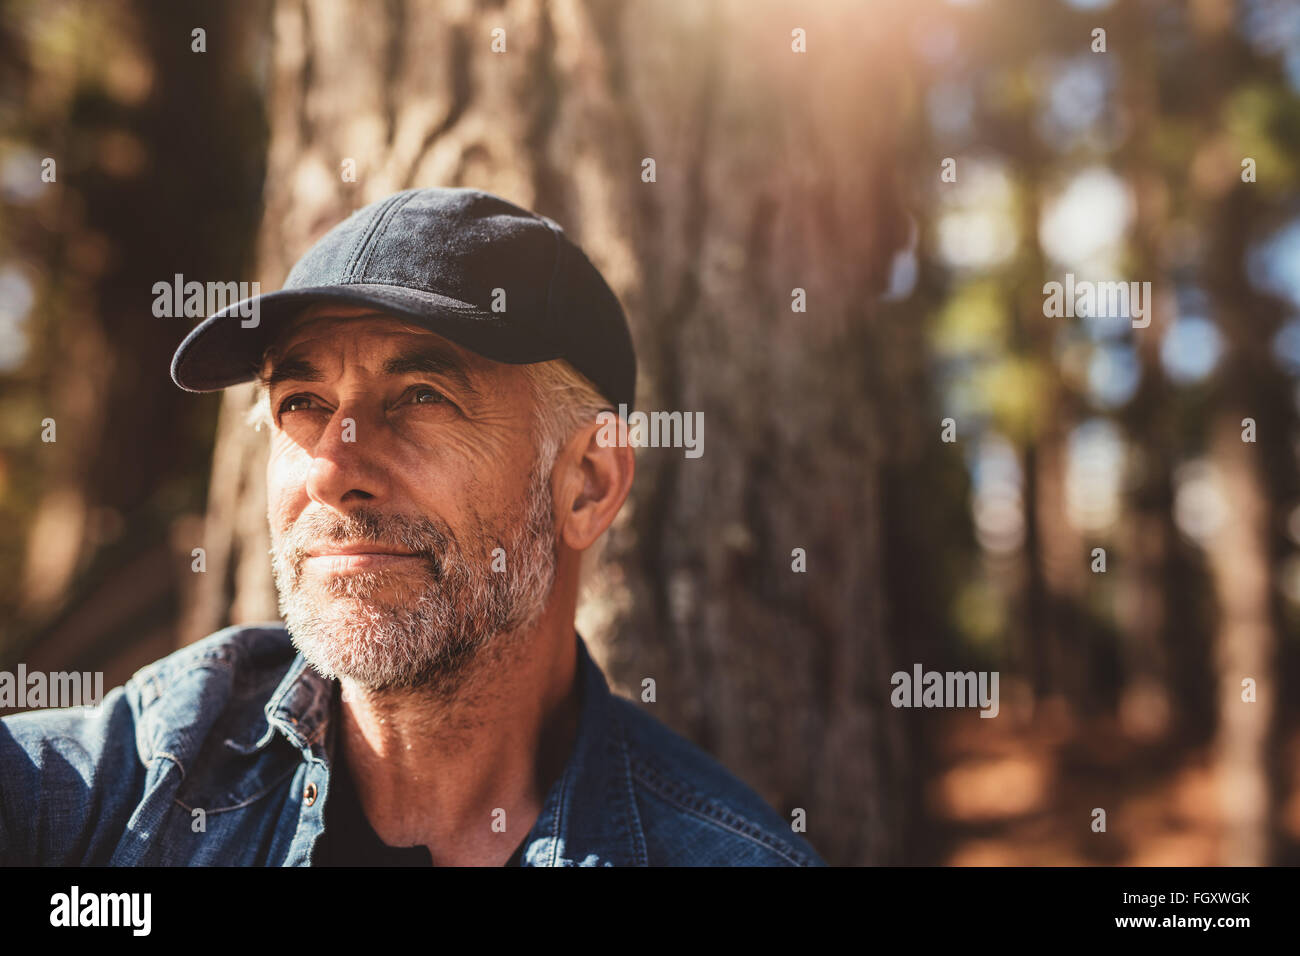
pixel 345 465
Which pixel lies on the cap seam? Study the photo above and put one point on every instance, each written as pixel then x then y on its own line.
pixel 379 214
pixel 553 325
pixel 389 213
pixel 468 307
pixel 359 243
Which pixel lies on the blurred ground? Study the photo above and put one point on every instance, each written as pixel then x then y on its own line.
pixel 1007 795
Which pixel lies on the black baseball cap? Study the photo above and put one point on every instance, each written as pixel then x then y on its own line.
pixel 442 258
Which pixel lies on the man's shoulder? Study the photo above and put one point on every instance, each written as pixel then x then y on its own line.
pixel 72 777
pixel 233 664
pixel 226 677
pixel 242 651
pixel 696 812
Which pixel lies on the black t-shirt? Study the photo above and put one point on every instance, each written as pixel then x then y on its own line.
pixel 349 840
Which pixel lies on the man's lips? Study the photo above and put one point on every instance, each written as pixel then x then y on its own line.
pixel 336 549
pixel 341 559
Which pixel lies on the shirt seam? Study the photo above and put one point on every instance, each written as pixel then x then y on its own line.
pixel 640 853
pixel 285 775
pixel 558 825
pixel 710 811
pixel 162 679
pixel 166 755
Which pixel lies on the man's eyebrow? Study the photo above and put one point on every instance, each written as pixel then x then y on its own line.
pixel 296 370
pixel 425 360
pixel 430 361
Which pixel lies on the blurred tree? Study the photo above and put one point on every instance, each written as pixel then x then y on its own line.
pixel 158 154
pixel 1255 467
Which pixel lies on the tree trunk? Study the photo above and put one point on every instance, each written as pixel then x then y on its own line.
pixel 1255 475
pixel 770 177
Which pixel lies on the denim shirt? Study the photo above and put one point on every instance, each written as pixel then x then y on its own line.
pixel 219 754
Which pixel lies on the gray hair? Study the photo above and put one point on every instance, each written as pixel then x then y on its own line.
pixel 565 400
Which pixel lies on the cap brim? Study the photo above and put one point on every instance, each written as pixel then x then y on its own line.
pixel 226 348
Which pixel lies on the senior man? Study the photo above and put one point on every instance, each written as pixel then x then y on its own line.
pixel 430 377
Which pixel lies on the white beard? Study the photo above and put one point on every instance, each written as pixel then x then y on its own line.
pixel 430 625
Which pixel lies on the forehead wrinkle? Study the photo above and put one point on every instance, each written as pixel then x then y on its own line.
pixel 435 356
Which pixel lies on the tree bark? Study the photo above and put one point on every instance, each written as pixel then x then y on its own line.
pixel 771 176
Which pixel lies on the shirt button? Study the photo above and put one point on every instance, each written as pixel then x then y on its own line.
pixel 310 794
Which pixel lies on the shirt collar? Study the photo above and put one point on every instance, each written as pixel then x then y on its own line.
pixel 299 709
pixel 589 816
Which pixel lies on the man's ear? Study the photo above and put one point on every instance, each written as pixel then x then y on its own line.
pixel 597 479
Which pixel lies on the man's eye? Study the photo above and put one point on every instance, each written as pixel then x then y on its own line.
pixel 425 395
pixel 288 404
pixel 418 395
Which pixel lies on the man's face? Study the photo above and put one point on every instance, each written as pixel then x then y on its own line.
pixel 387 438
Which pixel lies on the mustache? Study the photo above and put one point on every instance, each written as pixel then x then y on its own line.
pixel 419 535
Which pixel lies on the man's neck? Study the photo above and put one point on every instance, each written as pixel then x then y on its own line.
pixel 447 773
